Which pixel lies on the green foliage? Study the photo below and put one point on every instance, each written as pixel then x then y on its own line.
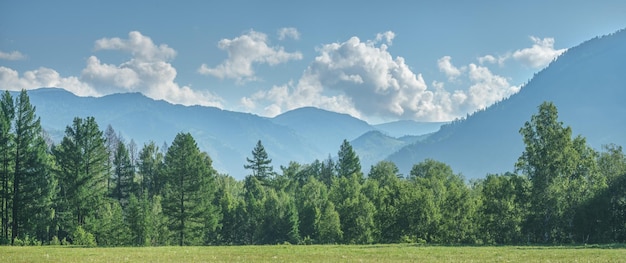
pixel 260 164
pixel 82 173
pixel 189 190
pixel 80 237
pixel 348 162
pixel 563 173
pixel 90 193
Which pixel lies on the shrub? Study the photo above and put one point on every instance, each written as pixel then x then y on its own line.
pixel 83 238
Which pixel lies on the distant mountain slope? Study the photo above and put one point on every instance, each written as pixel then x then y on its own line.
pixel 325 129
pixel 374 146
pixel 588 86
pixel 408 127
pixel 227 136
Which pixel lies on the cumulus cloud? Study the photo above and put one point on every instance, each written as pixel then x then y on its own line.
pixel 540 54
pixel 363 79
pixel 43 77
pixel 141 47
pixel 148 71
pixel 487 88
pixel 244 51
pixel 288 32
pixel 13 55
pixel 360 78
pixel 445 66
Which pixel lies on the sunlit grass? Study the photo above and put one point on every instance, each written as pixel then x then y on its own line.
pixel 326 253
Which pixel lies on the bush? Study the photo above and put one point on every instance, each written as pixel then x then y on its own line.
pixel 55 241
pixel 83 238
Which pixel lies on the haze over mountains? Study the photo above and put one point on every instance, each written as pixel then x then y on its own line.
pixel 587 84
pixel 301 135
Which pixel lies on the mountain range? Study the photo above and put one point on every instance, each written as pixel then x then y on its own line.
pixel 587 84
pixel 300 135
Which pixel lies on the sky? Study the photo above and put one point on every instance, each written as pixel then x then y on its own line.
pixel 379 61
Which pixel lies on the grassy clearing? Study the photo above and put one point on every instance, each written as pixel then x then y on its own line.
pixel 328 253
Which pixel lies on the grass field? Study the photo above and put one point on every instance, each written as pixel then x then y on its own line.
pixel 327 253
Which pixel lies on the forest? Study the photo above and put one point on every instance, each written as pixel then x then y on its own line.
pixel 95 189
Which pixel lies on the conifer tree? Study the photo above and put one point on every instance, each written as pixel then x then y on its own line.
pixel 348 161
pixel 7 113
pixel 82 173
pixel 189 191
pixel 260 164
pixel 123 175
pixel 32 182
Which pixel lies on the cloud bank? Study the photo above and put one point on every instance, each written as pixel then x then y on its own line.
pixel 148 71
pixel 364 79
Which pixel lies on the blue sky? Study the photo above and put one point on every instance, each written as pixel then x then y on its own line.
pixel 379 61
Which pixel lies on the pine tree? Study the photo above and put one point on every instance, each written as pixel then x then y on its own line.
pixel 82 174
pixel 260 164
pixel 32 181
pixel 7 113
pixel 123 176
pixel 348 162
pixel 149 168
pixel 189 191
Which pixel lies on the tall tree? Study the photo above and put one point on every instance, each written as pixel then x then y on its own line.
pixel 32 181
pixel 562 171
pixel 111 140
pixel 81 160
pixel 7 113
pixel 149 167
pixel 504 208
pixel 348 162
pixel 260 164
pixel 123 176
pixel 189 191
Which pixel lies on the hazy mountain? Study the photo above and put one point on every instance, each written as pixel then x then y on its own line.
pixel 588 86
pixel 228 137
pixel 326 130
pixel 301 135
pixel 375 146
pixel 408 127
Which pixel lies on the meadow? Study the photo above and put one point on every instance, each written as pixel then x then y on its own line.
pixel 317 253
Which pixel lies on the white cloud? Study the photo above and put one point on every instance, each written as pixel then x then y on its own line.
pixel 387 36
pixel 244 51
pixel 360 78
pixel 43 77
pixel 148 71
pixel 363 79
pixel 13 55
pixel 288 32
pixel 540 54
pixel 489 59
pixel 487 88
pixel 140 46
pixel 447 68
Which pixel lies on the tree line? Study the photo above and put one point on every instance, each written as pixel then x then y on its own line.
pixel 93 188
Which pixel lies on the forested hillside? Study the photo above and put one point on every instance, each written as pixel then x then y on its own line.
pixel 96 188
pixel 587 84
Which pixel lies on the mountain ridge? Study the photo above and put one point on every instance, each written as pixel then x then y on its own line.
pixel 587 85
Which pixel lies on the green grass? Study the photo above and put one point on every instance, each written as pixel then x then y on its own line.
pixel 327 253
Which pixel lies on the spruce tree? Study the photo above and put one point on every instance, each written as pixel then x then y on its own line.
pixel 189 191
pixel 123 175
pixel 348 162
pixel 32 182
pixel 260 164
pixel 82 173
pixel 7 113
